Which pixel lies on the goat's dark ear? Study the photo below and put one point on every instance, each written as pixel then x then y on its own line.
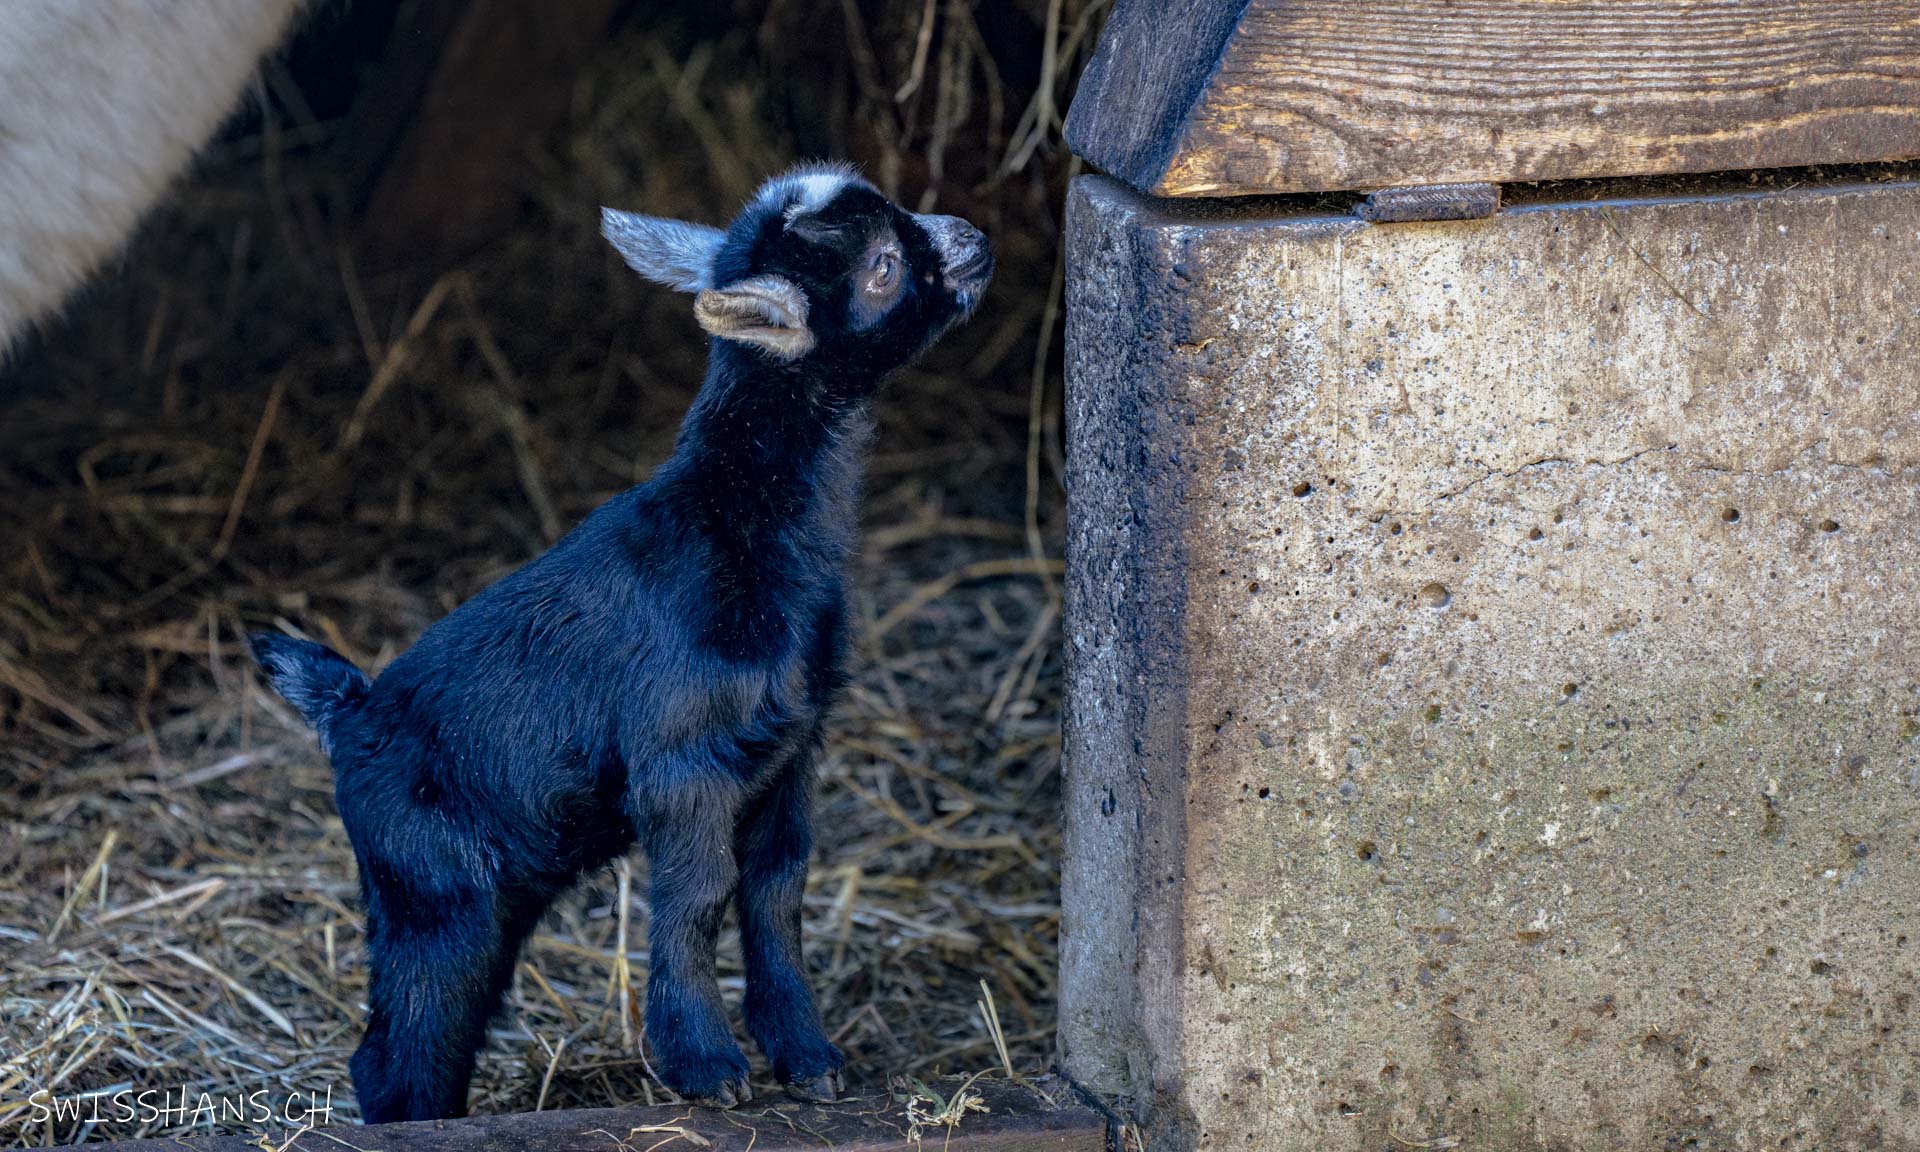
pixel 670 252
pixel 768 312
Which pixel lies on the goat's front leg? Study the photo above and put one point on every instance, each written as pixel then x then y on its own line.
pixel 689 844
pixel 773 842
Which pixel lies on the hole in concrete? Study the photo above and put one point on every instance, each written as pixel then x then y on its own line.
pixel 1366 851
pixel 1435 595
pixel 1820 967
pixel 1730 515
pixel 1569 689
pixel 1433 713
pixel 1536 534
pixel 1829 525
pixel 1303 489
pixel 1265 792
pixel 1254 588
pixel 1394 529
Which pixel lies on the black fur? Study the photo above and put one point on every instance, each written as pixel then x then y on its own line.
pixel 660 674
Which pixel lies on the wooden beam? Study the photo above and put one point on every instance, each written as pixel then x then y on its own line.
pixel 1241 98
pixel 1040 1117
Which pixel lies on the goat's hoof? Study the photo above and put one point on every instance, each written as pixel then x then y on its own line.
pixel 730 1094
pixel 822 1089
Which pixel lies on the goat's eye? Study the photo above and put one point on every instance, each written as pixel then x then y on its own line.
pixel 886 267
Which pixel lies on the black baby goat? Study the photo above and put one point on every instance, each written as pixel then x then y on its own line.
pixel 661 673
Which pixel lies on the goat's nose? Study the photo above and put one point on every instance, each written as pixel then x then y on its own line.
pixel 964 256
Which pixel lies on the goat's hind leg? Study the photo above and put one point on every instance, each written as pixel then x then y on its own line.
pixel 440 958
pixel 773 843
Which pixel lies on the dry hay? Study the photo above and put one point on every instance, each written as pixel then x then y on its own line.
pixel 239 429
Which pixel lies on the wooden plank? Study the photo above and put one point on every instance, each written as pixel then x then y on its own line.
pixel 1312 95
pixel 1040 1117
pixel 1152 65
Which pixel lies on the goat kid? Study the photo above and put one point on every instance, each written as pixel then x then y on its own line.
pixel 660 674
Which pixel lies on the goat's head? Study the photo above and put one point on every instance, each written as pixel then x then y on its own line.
pixel 819 268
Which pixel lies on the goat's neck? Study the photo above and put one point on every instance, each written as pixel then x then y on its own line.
pixel 760 450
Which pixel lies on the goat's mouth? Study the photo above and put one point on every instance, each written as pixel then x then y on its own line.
pixel 968 280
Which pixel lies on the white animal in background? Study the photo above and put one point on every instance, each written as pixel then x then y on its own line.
pixel 102 105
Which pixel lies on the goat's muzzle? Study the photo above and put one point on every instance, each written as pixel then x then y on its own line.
pixel 966 260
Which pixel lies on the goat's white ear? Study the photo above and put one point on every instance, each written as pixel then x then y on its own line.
pixel 768 312
pixel 670 252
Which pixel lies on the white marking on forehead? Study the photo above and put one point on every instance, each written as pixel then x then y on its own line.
pixel 805 189
pixel 820 188
pixel 817 190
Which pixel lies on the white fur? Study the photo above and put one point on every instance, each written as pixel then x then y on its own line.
pixel 102 104
pixel 807 188
pixel 816 191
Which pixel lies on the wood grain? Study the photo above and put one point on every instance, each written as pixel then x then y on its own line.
pixel 1042 1117
pixel 1154 60
pixel 1312 95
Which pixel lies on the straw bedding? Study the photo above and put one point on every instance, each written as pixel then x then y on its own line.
pixel 238 427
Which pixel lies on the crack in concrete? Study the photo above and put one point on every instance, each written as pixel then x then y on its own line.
pixel 1503 474
pixel 1800 461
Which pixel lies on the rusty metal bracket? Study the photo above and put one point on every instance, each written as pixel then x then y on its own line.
pixel 1430 202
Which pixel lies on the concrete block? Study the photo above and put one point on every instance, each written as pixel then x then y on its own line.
pixel 1494 705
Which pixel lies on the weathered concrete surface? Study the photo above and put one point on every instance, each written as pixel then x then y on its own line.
pixel 1494 712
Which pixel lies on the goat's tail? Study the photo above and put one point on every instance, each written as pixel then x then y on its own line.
pixel 313 678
